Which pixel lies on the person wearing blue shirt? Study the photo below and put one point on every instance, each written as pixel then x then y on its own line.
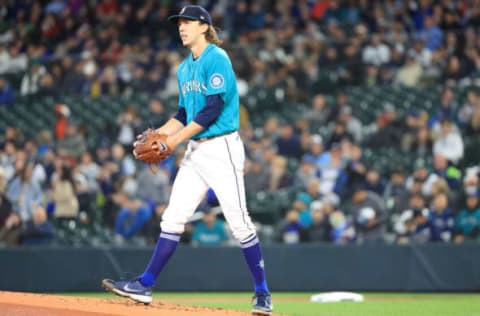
pixel 208 118
pixel 132 217
pixel 441 221
pixel 210 232
pixel 467 221
pixel 7 94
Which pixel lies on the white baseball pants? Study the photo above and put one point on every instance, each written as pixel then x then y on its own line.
pixel 217 163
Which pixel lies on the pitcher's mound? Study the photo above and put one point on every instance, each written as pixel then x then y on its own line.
pixel 27 304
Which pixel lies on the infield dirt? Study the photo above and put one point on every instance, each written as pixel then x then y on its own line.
pixel 28 304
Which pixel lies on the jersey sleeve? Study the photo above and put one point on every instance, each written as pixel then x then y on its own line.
pixel 217 75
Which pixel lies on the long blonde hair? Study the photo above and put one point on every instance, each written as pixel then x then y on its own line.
pixel 212 36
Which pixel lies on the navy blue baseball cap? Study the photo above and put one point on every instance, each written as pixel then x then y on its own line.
pixel 192 12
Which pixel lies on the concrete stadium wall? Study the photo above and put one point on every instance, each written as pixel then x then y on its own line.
pixel 432 267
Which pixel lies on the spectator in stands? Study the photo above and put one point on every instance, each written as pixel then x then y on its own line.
pixel 290 230
pixel 239 17
pixel 5 205
pixel 355 170
pixel 86 195
pixel 422 145
pixel 441 170
pixel 47 87
pixel 129 125
pixel 447 107
pixel 315 152
pixel 7 94
pixel 106 190
pixel 89 168
pixel 410 73
pixel 449 144
pixel 31 80
pixel 332 175
pixel 157 115
pixel 341 101
pixel 62 112
pixel 374 182
pixel 39 231
pixel 257 176
pixel 454 70
pixel 306 171
pixel 10 231
pixel 467 221
pixel 395 190
pixel 389 128
pixel 17 61
pixel 72 80
pixel 467 110
pixel 441 219
pixel 288 143
pixel 318 113
pixel 320 230
pixel 279 176
pixel 73 145
pixel 343 230
pixel 64 196
pixel 440 186
pixel 377 52
pixel 339 133
pixel 421 54
pixel 313 189
pixel 474 127
pixel 132 216
pixel 431 33
pixel 412 224
pixel 152 227
pixel 301 204
pixel 25 194
pixel 414 121
pixel 471 181
pixel 353 125
pixel 155 185
pixel 125 163
pixel 209 232
pixel 369 216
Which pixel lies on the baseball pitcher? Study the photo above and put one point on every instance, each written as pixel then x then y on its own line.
pixel 208 118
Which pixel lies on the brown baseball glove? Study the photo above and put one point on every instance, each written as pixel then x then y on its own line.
pixel 151 147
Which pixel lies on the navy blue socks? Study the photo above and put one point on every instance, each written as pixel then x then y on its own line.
pixel 166 245
pixel 253 255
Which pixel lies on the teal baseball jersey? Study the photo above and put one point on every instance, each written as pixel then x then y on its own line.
pixel 211 73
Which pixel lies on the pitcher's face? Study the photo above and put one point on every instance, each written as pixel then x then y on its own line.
pixel 190 31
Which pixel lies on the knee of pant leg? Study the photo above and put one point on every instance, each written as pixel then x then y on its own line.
pixel 172 227
pixel 171 223
pixel 243 232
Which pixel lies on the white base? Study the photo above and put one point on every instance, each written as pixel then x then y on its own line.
pixel 336 297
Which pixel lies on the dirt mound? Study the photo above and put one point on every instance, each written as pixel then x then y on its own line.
pixel 27 304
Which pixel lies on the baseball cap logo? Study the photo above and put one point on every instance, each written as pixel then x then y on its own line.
pixel 183 10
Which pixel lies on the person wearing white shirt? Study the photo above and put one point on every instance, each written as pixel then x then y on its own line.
pixel 449 143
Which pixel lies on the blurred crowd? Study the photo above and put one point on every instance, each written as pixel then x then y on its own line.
pixel 115 47
pixel 110 47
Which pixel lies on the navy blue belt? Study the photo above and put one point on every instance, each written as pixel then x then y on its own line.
pixel 203 139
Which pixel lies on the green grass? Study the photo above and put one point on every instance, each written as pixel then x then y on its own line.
pixel 376 304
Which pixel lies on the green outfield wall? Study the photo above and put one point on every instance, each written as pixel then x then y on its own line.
pixel 432 267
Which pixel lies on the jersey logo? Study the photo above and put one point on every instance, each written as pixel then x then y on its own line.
pixel 216 80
